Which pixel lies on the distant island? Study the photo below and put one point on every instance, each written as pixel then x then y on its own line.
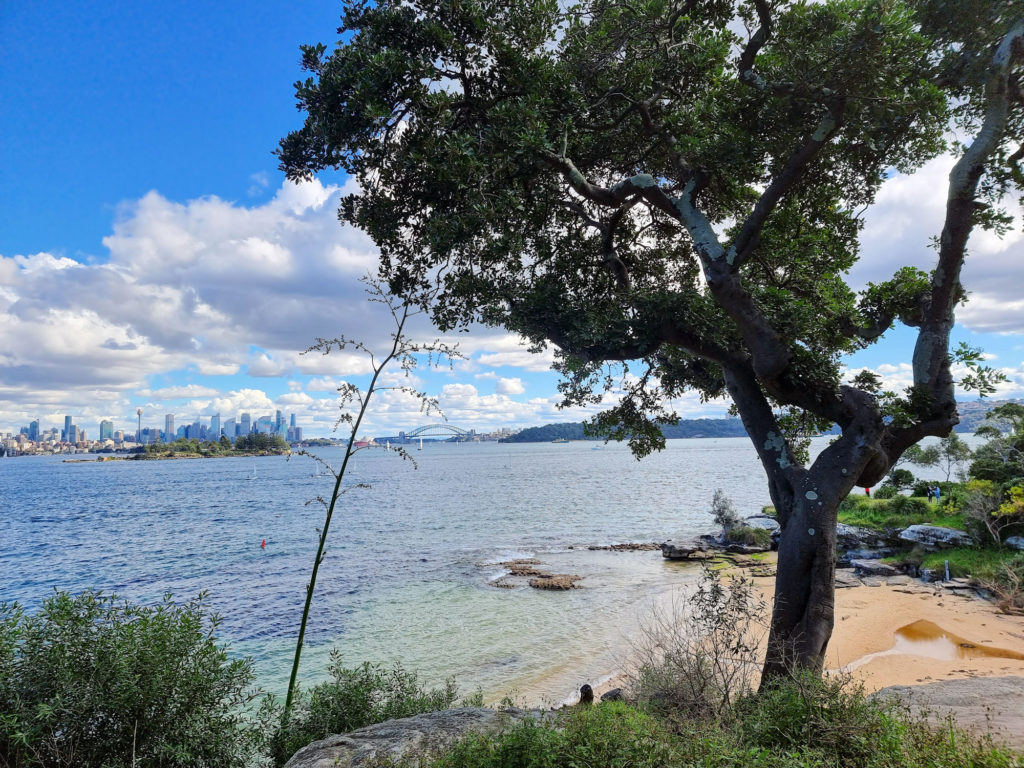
pixel 255 444
pixel 685 428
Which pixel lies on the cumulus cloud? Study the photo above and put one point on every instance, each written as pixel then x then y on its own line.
pixel 510 387
pixel 900 226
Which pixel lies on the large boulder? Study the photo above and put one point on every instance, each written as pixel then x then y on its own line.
pixel 1015 542
pixel 682 550
pixel 874 568
pixel 770 524
pixel 412 737
pixel 935 537
pixel 851 537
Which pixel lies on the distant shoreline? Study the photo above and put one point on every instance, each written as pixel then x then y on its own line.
pixel 168 457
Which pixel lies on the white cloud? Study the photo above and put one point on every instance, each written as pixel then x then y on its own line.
pixel 178 393
pixel 510 387
pixel 900 226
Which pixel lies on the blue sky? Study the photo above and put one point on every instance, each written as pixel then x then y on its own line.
pixel 152 256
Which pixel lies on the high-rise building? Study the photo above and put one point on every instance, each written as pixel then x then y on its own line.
pixel 106 430
pixel 246 427
pixel 215 427
pixel 66 434
pixel 293 421
pixel 169 428
pixel 73 436
pixel 33 431
pixel 278 421
pixel 264 425
pixel 230 429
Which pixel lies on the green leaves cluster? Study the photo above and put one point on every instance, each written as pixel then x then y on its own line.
pixel 93 680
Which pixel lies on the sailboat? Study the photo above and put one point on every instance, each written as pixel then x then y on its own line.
pixel 421 445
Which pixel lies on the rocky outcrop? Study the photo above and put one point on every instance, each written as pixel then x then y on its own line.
pixel 991 706
pixel 1014 542
pixel 411 737
pixel 850 537
pixel 627 547
pixel 555 581
pixel 935 537
pixel 874 568
pixel 682 550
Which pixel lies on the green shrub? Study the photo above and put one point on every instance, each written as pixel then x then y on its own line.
pixel 751 537
pixel 887 492
pixel 612 734
pixel 352 698
pixel 90 680
pixel 910 506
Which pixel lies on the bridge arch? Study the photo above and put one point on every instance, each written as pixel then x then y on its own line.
pixel 437 430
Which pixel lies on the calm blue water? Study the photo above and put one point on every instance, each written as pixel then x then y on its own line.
pixel 409 559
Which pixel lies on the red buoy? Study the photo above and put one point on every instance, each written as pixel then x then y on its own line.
pixel 264 544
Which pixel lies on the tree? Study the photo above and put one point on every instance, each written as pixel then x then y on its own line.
pixel 1001 458
pixel 948 454
pixel 660 197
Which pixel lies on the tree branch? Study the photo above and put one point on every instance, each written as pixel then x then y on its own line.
pixel 931 363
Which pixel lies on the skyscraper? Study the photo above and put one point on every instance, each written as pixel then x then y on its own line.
pixel 33 431
pixel 246 426
pixel 169 428
pixel 106 430
pixel 278 421
pixel 230 429
pixel 293 421
pixel 215 427
pixel 66 434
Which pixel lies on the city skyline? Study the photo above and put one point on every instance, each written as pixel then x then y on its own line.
pixel 193 287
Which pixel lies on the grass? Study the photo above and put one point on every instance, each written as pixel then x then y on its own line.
pixel 883 514
pixel 969 561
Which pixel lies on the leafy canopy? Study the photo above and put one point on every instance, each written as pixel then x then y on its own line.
pixel 668 181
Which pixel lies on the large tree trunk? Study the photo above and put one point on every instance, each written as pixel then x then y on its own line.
pixel 803 608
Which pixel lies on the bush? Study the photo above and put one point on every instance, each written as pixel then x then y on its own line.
pixel 909 506
pixel 806 712
pixel 611 734
pixel 93 681
pixel 723 511
pixel 751 537
pixel 887 492
pixel 700 654
pixel 352 698
pixel 1007 584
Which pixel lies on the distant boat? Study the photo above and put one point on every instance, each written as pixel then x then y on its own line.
pixel 559 440
pixel 421 445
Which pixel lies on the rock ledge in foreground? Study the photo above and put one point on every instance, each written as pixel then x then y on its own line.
pixel 411 736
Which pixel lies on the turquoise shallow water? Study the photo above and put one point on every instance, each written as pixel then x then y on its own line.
pixel 409 559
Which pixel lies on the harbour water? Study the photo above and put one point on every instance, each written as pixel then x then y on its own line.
pixel 410 559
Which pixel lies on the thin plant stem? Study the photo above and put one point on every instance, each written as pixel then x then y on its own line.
pixel 364 403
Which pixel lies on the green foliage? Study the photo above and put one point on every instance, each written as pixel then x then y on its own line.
pixel 979 562
pixel 799 723
pixel 352 698
pixel 94 681
pixel 723 511
pixel 607 735
pixel 887 491
pixel 751 537
pixel 897 512
pixel 696 657
pixel 258 442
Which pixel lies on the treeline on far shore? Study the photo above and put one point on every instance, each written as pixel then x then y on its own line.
pixel 685 428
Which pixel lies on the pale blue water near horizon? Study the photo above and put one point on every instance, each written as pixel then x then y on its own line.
pixel 409 560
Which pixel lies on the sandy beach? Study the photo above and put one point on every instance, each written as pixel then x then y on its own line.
pixel 902 632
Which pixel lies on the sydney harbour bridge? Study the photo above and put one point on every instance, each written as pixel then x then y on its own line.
pixel 447 432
